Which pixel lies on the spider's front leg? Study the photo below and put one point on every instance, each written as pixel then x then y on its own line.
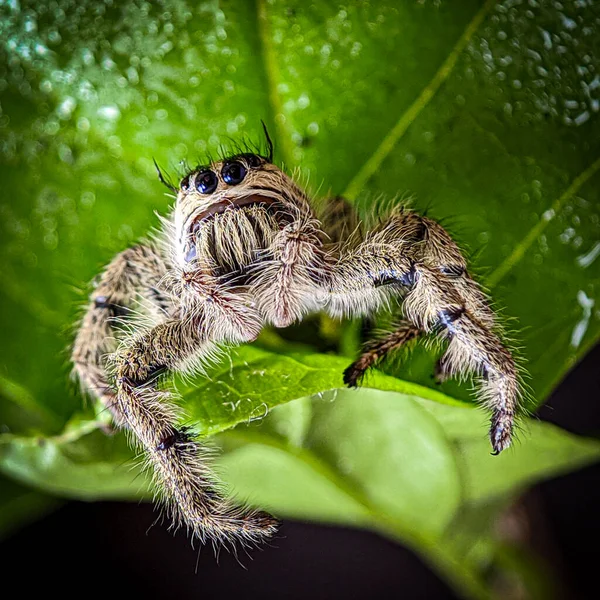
pixel 414 258
pixel 473 347
pixel 179 464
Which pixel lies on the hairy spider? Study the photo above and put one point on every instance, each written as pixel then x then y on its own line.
pixel 242 249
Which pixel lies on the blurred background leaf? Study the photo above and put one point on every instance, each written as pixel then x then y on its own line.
pixel 485 112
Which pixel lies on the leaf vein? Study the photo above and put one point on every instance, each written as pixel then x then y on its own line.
pixel 521 248
pixel 269 59
pixel 412 112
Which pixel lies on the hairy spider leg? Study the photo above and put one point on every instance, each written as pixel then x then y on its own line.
pixel 414 259
pixel 375 350
pixel 183 472
pixel 179 462
pixel 133 274
pixel 285 280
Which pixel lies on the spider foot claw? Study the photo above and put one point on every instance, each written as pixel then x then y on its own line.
pixel 353 375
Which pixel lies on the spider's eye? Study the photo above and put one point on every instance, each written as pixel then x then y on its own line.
pixel 233 172
pixel 184 186
pixel 253 160
pixel 206 182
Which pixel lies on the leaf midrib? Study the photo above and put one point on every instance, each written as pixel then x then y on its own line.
pixel 272 77
pixel 406 119
pixel 536 231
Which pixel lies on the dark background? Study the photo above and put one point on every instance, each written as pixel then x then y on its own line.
pixel 108 543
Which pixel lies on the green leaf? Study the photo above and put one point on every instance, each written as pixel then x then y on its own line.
pixel 245 387
pixel 411 468
pixel 82 462
pixel 393 454
pixel 486 112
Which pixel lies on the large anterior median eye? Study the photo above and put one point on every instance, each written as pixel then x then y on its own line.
pixel 206 182
pixel 233 172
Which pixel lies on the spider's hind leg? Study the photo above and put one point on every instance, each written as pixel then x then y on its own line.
pixel 339 219
pixel 133 273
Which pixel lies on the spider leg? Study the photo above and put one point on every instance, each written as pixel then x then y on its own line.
pixel 375 350
pixel 339 219
pixel 436 305
pixel 179 463
pixel 414 259
pixel 134 272
pixel 365 278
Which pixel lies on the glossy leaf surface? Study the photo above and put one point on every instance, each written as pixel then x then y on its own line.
pixel 486 112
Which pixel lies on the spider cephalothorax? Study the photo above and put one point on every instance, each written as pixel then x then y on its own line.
pixel 243 249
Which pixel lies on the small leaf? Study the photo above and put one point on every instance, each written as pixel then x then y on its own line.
pixel 245 387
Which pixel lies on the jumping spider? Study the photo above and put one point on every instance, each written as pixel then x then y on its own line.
pixel 243 249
